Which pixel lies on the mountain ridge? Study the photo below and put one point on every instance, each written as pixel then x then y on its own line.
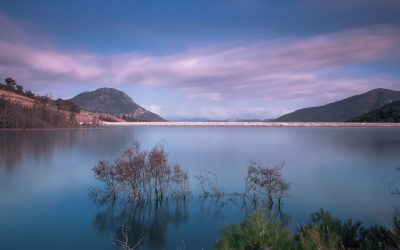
pixel 345 109
pixel 115 102
pixel 388 113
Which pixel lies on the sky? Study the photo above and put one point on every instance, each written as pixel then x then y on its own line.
pixel 212 59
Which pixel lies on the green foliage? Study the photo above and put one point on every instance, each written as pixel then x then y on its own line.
pixel 130 119
pixel 67 105
pixel 388 113
pixel 382 237
pixel 43 113
pixel 12 86
pixel 107 118
pixel 44 99
pixel 258 232
pixel 347 234
pixel 348 231
pixel 20 90
pixel 316 237
pixel 29 94
pixel 323 232
pixel 10 82
pixel 14 115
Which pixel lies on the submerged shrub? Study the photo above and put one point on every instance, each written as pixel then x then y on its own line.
pixel 267 182
pixel 208 182
pixel 142 175
pixel 180 179
pixel 257 232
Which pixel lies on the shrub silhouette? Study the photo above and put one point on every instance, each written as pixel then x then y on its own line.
pixel 141 175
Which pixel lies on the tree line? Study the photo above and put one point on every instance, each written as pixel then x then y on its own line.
pixel 44 113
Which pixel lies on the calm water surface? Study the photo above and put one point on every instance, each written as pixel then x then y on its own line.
pixel 45 178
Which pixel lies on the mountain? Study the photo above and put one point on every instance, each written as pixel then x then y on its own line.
pixel 24 110
pixel 115 102
pixel 388 113
pixel 345 109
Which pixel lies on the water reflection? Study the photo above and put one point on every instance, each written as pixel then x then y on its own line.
pixel 145 219
pixel 39 147
pixel 44 177
pixel 366 141
pixel 147 222
pixel 16 145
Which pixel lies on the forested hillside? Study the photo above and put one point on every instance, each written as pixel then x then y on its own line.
pixel 388 113
pixel 24 109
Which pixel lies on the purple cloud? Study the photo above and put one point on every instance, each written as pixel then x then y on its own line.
pixel 270 70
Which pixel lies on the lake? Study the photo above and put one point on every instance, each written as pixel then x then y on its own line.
pixel 45 178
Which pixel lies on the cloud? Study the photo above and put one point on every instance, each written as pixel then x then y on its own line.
pixel 154 108
pixel 273 70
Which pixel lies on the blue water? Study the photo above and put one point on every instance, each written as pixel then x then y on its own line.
pixel 45 177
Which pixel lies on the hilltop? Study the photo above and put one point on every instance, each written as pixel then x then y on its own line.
pixel 345 109
pixel 114 102
pixel 24 109
pixel 387 113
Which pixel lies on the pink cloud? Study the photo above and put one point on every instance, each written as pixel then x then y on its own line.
pixel 270 70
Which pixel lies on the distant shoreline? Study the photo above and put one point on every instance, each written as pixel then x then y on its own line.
pixel 252 124
pixel 219 124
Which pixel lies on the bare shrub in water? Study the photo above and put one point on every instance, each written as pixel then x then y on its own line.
pixel 142 175
pixel 105 173
pixel 180 179
pixel 209 184
pixel 268 182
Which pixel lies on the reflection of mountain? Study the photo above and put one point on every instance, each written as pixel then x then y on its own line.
pixel 17 145
pixel 40 145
